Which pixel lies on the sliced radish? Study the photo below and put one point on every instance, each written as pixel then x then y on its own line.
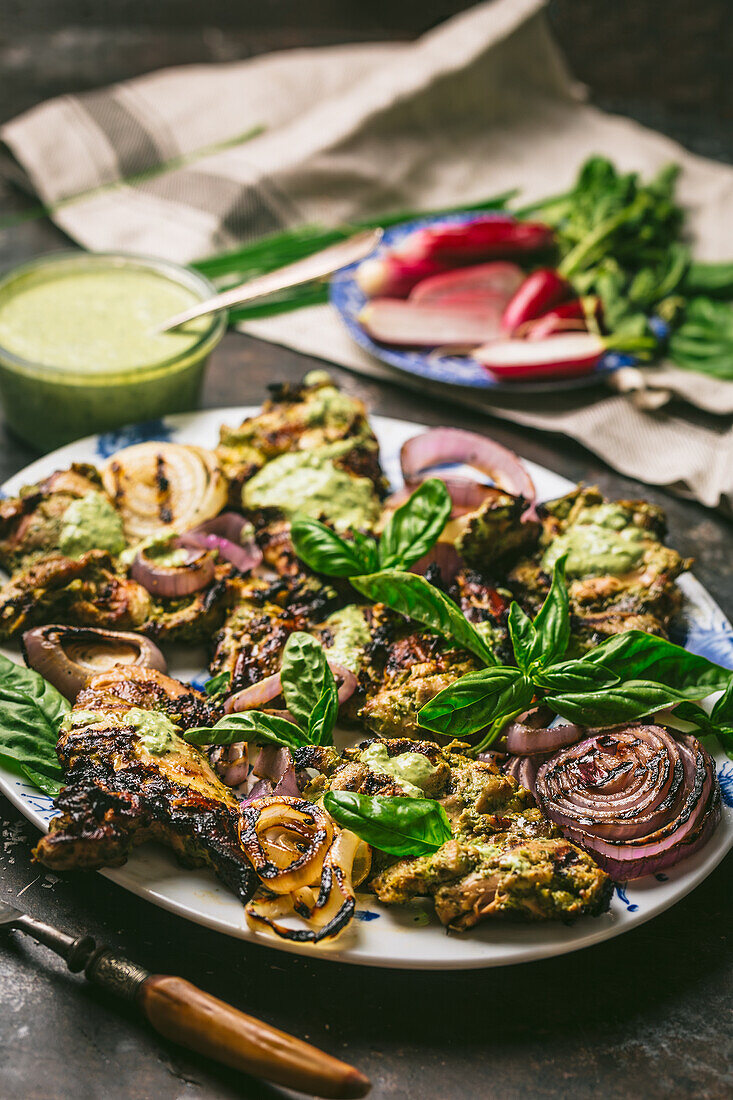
pixel 565 356
pixel 410 324
pixel 392 276
pixel 540 292
pixel 488 238
pixel 496 279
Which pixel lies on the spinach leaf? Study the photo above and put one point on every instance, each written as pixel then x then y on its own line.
pixel 579 675
pixel 636 655
pixel 476 700
pixel 624 702
pixel 249 725
pixel 305 677
pixel 326 552
pixel 412 595
pixel 31 710
pixel 218 684
pixel 399 826
pixel 415 526
pixel 323 716
pixel 552 622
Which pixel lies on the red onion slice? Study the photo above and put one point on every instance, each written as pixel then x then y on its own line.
pixel 637 798
pixel 441 446
pixel 528 740
pixel 174 581
pixel 223 534
pixel 256 696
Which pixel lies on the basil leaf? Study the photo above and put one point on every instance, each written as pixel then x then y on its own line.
pixel 415 597
pixel 624 702
pixel 31 710
pixel 367 550
pixel 249 725
pixel 218 684
pixel 400 826
pixel 525 640
pixel 722 712
pixel 707 725
pixel 476 700
pixel 304 675
pixel 552 621
pixel 325 551
pixel 577 675
pixel 323 716
pixel 637 655
pixel 415 526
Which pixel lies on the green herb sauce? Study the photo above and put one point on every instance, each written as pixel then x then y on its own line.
pixel 411 770
pixel 91 523
pixel 350 635
pixel 602 539
pixel 155 730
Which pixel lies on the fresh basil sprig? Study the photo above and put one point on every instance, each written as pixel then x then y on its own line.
pixel 718 724
pixel 31 710
pixel 311 697
pixel 408 534
pixel 624 679
pixel 411 595
pixel 401 826
pixel 219 684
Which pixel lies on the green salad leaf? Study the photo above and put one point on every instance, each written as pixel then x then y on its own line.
pixel 401 826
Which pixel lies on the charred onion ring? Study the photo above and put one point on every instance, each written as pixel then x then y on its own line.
pixel 524 740
pixel 224 534
pixel 440 446
pixel 639 799
pixel 174 581
pixel 257 695
pixel 278 827
pixel 69 656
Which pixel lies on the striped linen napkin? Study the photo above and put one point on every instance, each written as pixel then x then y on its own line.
pixel 214 155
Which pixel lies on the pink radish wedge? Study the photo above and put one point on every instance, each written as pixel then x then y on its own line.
pixel 412 324
pixel 540 292
pixel 569 317
pixel 497 279
pixel 393 277
pixel 566 356
pixel 498 238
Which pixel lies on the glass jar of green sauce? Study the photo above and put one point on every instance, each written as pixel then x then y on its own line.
pixel 78 348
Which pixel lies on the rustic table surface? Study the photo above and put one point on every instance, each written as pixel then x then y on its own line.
pixel 645 1015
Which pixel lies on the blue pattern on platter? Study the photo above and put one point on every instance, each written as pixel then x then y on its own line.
pixel 725 778
pixel 148 431
pixel 632 906
pixel 348 299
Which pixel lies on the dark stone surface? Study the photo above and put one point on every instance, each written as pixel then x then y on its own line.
pixel 645 1015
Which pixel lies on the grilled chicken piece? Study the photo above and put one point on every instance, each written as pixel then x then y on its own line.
pixel 120 792
pixel 84 591
pixel 301 418
pixel 30 524
pixel 504 859
pixel 643 596
pixel 194 619
pixel 494 535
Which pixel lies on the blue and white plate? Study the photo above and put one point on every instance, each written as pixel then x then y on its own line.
pixel 453 370
pixel 409 937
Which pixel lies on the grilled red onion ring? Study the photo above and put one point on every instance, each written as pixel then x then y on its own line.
pixel 68 656
pixel 636 797
pixel 257 695
pixel 440 446
pixel 527 740
pixel 224 534
pixel 174 581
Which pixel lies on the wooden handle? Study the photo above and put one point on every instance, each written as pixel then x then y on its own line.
pixel 188 1016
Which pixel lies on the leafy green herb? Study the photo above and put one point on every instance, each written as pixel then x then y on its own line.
pixel 408 534
pixel 476 700
pixel 552 622
pixel 412 595
pixel 704 339
pixel 219 684
pixel 31 710
pixel 399 826
pixel 624 702
pixel 718 724
pixel 415 526
pixel 311 697
pixel 635 655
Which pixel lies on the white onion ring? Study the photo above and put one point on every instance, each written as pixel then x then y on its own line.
pixel 174 581
pixel 309 823
pixel 637 798
pixel 441 446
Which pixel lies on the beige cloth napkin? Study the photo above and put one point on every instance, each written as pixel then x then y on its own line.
pixel 479 105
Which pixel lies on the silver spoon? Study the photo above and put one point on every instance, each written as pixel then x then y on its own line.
pixel 312 267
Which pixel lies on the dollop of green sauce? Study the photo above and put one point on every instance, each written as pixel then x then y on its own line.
pixel 160 549
pixel 350 635
pixel 411 770
pixel 155 730
pixel 329 406
pixel 309 483
pixel 91 523
pixel 602 539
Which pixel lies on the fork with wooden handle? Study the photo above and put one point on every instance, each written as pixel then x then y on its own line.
pixel 198 1021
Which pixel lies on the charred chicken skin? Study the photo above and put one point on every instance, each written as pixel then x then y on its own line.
pixel 504 858
pixel 127 783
